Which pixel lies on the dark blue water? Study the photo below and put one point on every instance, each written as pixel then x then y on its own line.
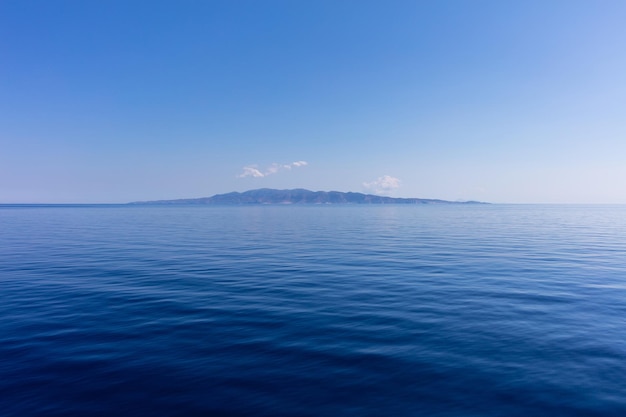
pixel 313 311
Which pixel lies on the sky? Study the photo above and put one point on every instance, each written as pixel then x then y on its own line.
pixel 499 101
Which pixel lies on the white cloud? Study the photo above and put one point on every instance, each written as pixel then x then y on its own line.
pixel 383 185
pixel 273 169
pixel 253 171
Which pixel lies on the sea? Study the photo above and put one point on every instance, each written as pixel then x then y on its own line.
pixel 313 310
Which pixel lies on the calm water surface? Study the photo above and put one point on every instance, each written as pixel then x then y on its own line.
pixel 313 311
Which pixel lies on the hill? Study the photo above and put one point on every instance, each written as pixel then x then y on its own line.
pixel 298 196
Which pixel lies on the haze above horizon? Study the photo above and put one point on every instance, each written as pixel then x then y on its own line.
pixel 506 102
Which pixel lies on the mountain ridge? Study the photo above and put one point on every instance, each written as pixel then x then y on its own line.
pixel 298 196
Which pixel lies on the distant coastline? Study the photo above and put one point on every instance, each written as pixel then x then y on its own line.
pixel 298 196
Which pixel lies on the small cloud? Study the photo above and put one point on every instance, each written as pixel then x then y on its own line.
pixel 273 169
pixel 383 185
pixel 253 171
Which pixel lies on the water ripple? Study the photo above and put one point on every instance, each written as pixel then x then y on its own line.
pixel 310 311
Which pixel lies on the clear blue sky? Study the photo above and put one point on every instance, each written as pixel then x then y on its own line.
pixel 501 101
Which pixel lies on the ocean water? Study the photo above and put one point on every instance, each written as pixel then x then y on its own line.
pixel 465 310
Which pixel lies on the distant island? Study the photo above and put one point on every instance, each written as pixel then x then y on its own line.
pixel 298 196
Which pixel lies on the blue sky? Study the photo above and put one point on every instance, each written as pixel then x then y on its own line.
pixel 501 101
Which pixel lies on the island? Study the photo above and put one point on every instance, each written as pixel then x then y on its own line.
pixel 298 196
